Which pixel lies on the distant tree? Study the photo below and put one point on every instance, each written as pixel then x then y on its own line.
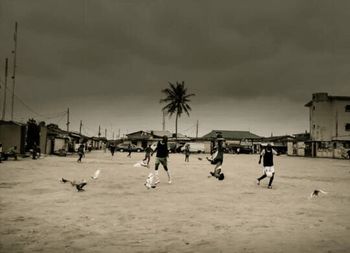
pixel 176 99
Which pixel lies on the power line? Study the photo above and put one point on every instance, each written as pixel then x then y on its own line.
pixel 47 116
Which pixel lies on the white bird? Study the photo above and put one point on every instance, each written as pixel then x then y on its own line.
pixel 97 173
pixel 141 164
pixel 316 193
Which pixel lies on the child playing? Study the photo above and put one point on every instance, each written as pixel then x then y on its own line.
pixel 217 159
pixel 80 152
pixel 269 170
pixel 148 152
pixel 187 153
pixel 161 158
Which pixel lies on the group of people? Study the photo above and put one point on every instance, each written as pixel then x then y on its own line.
pixel 266 155
pixel 216 159
pixel 11 152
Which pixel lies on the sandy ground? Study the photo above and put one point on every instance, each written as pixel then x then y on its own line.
pixel 117 213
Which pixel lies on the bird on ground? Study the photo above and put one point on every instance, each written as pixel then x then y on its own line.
pixel 79 185
pixel 316 193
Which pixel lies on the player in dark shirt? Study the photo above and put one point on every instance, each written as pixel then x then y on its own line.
pixel 217 159
pixel 269 170
pixel 187 153
pixel 161 158
pixel 148 152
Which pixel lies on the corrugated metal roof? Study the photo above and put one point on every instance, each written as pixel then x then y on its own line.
pixel 161 133
pixel 231 135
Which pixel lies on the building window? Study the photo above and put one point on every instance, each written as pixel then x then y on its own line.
pixel 347 108
pixel 347 127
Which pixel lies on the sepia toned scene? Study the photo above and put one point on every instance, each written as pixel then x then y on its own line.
pixel 174 126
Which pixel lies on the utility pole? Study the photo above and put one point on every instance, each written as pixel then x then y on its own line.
pixel 99 131
pixel 14 71
pixel 81 125
pixel 336 123
pixel 106 133
pixel 197 126
pixel 5 88
pixel 163 120
pixel 119 133
pixel 68 120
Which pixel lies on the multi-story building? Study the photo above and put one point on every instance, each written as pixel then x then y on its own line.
pixel 329 125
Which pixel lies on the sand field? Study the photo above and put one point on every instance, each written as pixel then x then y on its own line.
pixel 116 213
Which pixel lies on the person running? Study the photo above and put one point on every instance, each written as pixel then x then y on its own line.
pixel 80 152
pixel 34 152
pixel 217 159
pixel 148 152
pixel 129 150
pixel 187 153
pixel 161 158
pixel 112 149
pixel 269 170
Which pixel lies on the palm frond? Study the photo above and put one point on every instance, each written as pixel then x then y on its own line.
pixel 176 99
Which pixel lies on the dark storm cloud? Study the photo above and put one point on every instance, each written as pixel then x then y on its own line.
pixel 103 50
pixel 248 39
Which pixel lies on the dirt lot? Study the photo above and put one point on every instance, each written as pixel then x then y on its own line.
pixel 117 213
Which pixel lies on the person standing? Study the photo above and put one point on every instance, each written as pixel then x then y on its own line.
pixel 34 152
pixel 148 152
pixel 269 170
pixel 80 152
pixel 162 158
pixel 129 150
pixel 112 149
pixel 187 153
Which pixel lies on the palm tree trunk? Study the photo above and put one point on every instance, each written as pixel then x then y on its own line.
pixel 177 116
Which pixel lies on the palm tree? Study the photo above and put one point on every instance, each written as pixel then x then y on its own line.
pixel 176 101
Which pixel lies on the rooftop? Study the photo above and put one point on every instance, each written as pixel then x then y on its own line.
pixel 232 135
pixel 321 97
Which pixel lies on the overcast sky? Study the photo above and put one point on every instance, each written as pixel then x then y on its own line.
pixel 252 64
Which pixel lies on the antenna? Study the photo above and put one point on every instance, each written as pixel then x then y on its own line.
pixel 14 72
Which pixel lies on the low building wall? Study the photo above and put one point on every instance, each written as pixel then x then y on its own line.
pixel 60 144
pixel 12 135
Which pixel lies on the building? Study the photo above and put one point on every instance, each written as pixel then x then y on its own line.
pixel 299 145
pixel 280 143
pixel 235 139
pixel 57 140
pixel 145 138
pixel 329 118
pixel 13 134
